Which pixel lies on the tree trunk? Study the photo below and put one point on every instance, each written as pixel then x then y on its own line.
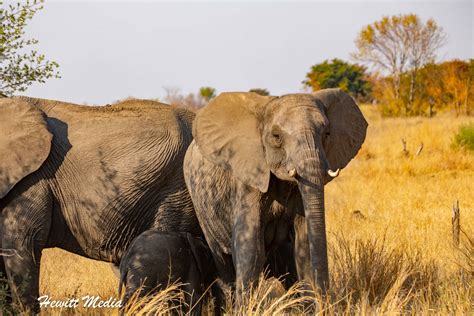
pixel 467 96
pixel 412 89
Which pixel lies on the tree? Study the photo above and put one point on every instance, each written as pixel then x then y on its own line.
pixel 457 84
pixel 398 44
pixel 432 89
pixel 191 101
pixel 175 97
pixel 470 92
pixel 339 74
pixel 19 66
pixel 448 85
pixel 207 93
pixel 260 91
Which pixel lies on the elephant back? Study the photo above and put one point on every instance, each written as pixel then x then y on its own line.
pixel 25 141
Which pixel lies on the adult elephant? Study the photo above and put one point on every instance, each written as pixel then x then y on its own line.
pixel 257 165
pixel 87 180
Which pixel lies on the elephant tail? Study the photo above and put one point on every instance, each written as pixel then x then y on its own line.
pixel 120 287
pixel 123 276
pixel 123 271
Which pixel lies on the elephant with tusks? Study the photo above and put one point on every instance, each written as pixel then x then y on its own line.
pixel 256 172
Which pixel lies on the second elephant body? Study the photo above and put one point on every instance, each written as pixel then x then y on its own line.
pixel 88 180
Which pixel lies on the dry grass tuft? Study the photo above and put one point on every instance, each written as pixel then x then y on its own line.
pixel 165 302
pixel 371 270
pixel 269 297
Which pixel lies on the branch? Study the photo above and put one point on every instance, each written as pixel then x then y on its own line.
pixel 28 6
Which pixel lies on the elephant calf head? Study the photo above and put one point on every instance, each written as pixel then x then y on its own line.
pixel 156 259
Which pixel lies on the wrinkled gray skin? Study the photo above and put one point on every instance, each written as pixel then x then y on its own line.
pixel 156 259
pixel 237 170
pixel 87 180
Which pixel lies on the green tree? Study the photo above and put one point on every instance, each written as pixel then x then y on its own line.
pixel 339 74
pixel 260 91
pixel 19 65
pixel 207 93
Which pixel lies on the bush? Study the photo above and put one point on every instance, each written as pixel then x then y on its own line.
pixel 465 137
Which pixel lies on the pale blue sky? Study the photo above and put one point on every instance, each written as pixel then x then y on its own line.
pixel 111 50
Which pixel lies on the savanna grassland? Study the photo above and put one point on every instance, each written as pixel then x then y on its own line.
pixel 389 229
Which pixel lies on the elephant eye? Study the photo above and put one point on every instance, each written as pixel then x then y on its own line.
pixel 276 137
pixel 326 137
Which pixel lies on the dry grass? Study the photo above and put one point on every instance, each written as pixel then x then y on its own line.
pixel 393 256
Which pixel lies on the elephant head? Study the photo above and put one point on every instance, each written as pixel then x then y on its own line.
pixel 302 138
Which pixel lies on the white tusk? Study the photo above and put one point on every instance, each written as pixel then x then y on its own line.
pixel 292 173
pixel 333 174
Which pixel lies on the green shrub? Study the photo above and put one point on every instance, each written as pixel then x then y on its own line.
pixel 465 137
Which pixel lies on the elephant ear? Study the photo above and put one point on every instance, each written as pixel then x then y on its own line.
pixel 227 134
pixel 201 253
pixel 25 141
pixel 347 126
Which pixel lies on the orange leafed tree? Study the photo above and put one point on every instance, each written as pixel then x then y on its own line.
pixel 457 84
pixel 398 46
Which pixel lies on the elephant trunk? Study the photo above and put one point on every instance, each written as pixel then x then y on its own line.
pixel 312 173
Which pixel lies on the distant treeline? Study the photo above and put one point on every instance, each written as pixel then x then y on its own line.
pixel 406 79
pixel 436 87
pixel 432 88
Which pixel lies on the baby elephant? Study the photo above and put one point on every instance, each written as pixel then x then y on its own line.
pixel 156 259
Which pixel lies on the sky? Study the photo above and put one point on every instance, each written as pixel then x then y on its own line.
pixel 111 50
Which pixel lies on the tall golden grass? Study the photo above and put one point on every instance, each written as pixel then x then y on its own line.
pixel 389 229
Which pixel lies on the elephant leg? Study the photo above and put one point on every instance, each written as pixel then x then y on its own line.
pixel 219 297
pixel 281 264
pixel 302 252
pixel 26 223
pixel 248 250
pixel 223 280
pixel 193 293
pixel 5 295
